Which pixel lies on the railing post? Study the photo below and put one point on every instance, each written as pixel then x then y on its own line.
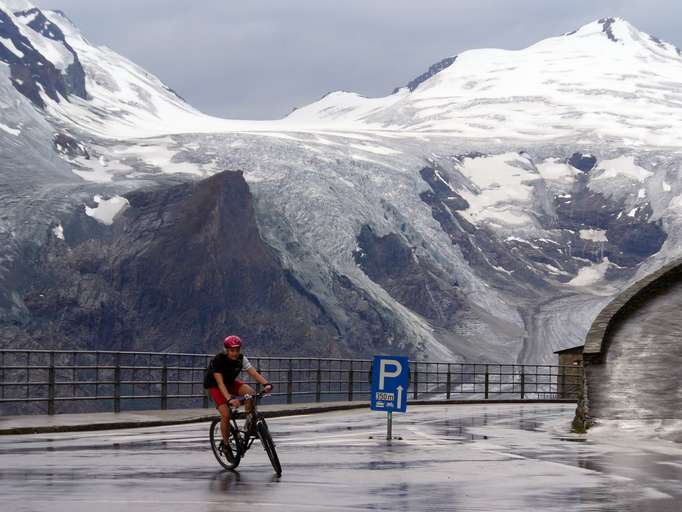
pixel 290 383
pixel 51 378
pixel 318 384
pixel 97 373
pixel 415 390
pixel 28 375
pixel 164 384
pixel 117 382
pixel 562 385
pixel 523 383
pixel 74 359
pixel 256 365
pixel 487 382
pixel 350 382
pixel 205 400
pixel 449 383
pixel 2 375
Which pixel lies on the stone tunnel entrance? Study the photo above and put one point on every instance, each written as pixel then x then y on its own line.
pixel 633 353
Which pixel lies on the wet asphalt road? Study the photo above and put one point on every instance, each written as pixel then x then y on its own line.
pixel 463 458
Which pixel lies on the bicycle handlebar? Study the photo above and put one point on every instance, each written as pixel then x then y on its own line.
pixel 242 398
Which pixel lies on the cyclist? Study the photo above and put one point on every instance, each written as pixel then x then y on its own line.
pixel 222 383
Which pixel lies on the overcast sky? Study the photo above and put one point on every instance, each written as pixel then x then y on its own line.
pixel 257 59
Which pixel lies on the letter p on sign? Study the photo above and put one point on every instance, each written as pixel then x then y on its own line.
pixel 384 371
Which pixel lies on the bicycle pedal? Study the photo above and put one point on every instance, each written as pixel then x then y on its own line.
pixel 226 452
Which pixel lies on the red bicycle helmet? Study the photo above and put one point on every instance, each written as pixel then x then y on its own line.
pixel 232 342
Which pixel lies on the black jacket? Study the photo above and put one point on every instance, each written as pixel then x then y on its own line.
pixel 228 368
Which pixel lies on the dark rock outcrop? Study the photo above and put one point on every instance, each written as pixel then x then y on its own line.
pixel 433 70
pixel 177 270
pixel 582 162
pixel 394 265
pixel 631 238
pixel 75 74
pixel 31 69
pixel 607 28
pixel 67 145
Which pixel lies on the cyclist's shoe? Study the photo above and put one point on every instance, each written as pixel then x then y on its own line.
pixel 226 451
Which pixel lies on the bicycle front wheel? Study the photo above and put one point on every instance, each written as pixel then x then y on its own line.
pixel 269 445
pixel 227 455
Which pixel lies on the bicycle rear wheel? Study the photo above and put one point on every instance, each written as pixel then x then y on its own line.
pixel 231 459
pixel 269 445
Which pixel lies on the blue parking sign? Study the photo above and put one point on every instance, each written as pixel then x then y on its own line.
pixel 389 383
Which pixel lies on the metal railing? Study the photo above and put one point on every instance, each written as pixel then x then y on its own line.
pixel 44 381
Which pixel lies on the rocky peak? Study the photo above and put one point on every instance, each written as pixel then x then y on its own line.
pixel 433 70
pixel 607 27
pixel 26 34
pixel 618 30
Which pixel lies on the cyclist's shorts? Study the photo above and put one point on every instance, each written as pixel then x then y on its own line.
pixel 233 389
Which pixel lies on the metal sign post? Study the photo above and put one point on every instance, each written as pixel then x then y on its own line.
pixel 389 387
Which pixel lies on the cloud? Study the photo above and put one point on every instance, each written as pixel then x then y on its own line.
pixel 258 59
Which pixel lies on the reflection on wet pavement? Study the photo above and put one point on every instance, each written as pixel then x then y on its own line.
pixel 513 457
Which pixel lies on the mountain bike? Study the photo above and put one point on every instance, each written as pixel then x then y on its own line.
pixel 242 439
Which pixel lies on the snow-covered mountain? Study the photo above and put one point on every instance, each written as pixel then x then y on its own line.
pixel 486 211
pixel 605 80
